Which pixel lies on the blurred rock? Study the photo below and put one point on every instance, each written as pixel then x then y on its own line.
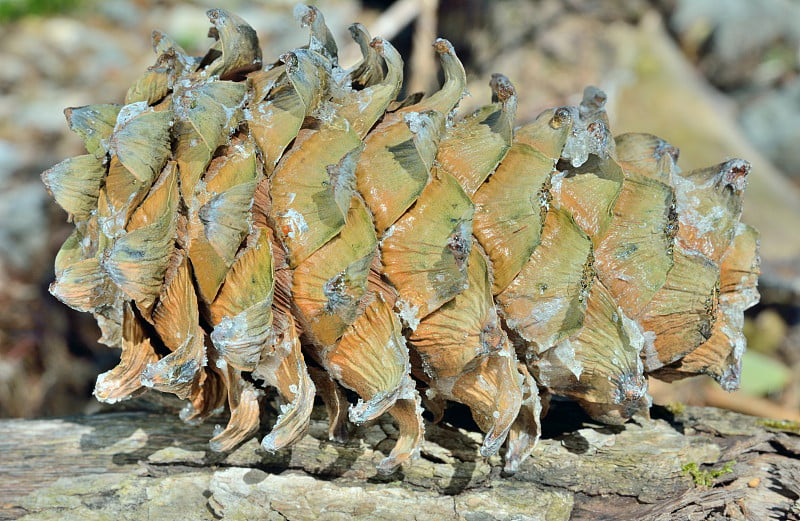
pixel 772 122
pixel 9 161
pixel 739 42
pixel 751 50
pixel 23 236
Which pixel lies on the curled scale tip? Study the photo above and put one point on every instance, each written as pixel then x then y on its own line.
pixel 492 443
pixel 289 59
pixel 217 15
pixel 731 376
pixel 663 148
pixel 502 88
pixel 156 37
pixel 378 44
pixel 443 46
pixel 305 14
pixel 358 32
pixel 734 173
pixel 562 116
pixel 593 100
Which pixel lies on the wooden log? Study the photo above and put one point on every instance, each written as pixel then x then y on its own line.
pixel 701 463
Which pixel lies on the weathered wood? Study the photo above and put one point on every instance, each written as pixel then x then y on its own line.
pixel 149 465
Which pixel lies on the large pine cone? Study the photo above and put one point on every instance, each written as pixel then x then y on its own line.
pixel 296 225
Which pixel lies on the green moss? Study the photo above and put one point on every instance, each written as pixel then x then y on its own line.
pixel 676 408
pixel 705 478
pixel 11 10
pixel 781 425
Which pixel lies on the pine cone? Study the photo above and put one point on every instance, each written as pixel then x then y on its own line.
pixel 240 226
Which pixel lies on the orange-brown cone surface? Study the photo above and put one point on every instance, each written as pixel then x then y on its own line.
pixel 242 225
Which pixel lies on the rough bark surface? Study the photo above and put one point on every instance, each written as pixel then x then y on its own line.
pixel 148 465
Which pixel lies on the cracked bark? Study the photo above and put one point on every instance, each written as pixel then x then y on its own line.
pixel 139 464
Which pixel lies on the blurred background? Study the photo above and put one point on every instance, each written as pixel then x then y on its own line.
pixel 716 78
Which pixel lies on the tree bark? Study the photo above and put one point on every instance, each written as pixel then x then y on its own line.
pixel 145 464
